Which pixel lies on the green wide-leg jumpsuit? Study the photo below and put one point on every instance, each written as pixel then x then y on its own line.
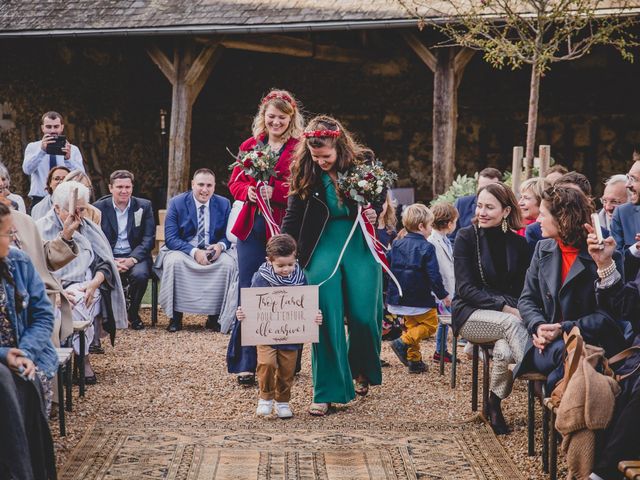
pixel 354 292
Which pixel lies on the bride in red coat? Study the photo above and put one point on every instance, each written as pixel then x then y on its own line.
pixel 277 124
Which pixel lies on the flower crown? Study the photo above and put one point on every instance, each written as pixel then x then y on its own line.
pixel 322 133
pixel 281 96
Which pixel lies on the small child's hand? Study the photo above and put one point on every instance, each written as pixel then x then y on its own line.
pixel 240 314
pixel 319 317
pixel 447 301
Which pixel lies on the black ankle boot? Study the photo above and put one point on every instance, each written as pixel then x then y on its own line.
pixel 498 423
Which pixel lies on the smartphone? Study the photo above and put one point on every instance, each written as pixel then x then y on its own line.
pixel 595 221
pixel 56 147
pixel 210 256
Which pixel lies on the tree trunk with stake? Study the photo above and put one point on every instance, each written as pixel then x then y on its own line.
pixel 532 122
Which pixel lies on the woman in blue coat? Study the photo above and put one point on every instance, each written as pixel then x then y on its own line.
pixel 28 361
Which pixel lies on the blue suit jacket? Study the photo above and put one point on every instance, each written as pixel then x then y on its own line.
pixel 181 224
pixel 624 226
pixel 141 237
pixel 466 207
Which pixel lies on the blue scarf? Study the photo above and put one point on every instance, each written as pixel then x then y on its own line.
pixel 294 278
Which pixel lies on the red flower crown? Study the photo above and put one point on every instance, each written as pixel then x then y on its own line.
pixel 281 96
pixel 322 133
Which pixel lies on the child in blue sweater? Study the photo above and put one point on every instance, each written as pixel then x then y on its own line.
pixel 414 263
pixel 277 363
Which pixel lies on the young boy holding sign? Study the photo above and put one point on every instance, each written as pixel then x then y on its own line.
pixel 277 363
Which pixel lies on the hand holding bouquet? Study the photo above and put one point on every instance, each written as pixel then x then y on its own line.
pixel 258 163
pixel 365 183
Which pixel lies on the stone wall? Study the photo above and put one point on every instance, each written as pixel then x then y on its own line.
pixel 111 94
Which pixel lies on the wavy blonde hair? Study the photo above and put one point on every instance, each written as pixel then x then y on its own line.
pixel 305 172
pixel 296 125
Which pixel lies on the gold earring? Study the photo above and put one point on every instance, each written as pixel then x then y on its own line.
pixel 505 226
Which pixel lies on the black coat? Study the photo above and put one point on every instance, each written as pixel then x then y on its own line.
pixel 545 299
pixel 141 237
pixel 306 218
pixel 471 293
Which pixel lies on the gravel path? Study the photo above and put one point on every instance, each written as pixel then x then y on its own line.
pixel 152 374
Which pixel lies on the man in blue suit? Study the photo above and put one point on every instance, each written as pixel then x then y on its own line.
pixel 625 224
pixel 128 224
pixel 198 275
pixel 466 205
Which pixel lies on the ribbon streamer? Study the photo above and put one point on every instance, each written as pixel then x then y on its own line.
pixel 265 207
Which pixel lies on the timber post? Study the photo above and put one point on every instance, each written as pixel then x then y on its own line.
pixel 545 159
pixel 516 169
pixel 448 67
pixel 187 74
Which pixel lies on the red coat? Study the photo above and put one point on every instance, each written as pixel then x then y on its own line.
pixel 239 183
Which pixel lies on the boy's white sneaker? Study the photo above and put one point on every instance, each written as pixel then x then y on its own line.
pixel 265 407
pixel 283 410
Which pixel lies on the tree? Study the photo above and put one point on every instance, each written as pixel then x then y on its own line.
pixel 538 33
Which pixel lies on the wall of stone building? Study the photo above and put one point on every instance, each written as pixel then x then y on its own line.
pixel 111 94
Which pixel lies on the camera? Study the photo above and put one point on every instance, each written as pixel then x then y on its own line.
pixel 56 147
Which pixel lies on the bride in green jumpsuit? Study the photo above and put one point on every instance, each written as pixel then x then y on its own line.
pixel 320 219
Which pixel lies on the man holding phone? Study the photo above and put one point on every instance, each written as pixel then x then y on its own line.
pixel 51 151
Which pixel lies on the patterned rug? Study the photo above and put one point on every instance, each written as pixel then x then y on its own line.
pixel 226 451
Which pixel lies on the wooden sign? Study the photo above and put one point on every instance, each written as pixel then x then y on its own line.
pixel 279 315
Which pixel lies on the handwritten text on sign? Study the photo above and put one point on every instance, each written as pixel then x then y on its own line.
pixel 279 315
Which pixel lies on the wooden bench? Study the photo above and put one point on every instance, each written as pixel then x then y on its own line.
pixel 485 376
pixel 531 379
pixel 64 379
pixel 80 327
pixel 553 437
pixel 444 320
pixel 630 469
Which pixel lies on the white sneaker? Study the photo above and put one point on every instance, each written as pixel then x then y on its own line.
pixel 283 410
pixel 265 407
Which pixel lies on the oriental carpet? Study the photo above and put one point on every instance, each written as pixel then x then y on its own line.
pixel 269 450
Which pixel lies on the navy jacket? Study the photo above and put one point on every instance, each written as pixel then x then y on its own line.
pixel 414 263
pixel 181 224
pixel 533 234
pixel 141 237
pixel 624 226
pixel 466 207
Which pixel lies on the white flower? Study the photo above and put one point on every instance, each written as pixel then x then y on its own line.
pixel 362 183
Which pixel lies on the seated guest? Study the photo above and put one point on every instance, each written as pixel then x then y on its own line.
pixel 54 178
pixel 17 200
pixel 466 205
pixel 615 194
pixel 90 212
pixel 91 280
pixel 554 173
pixel 625 223
pixel 490 261
pixel 559 287
pixel 28 361
pixel 533 233
pixel 529 203
pixel 621 439
pixel 128 224
pixel 198 274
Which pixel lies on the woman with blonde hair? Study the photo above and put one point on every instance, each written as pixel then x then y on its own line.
pixel 90 212
pixel 530 197
pixel 277 125
pixel 320 219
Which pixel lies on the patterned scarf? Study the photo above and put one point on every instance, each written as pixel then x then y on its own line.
pixel 294 278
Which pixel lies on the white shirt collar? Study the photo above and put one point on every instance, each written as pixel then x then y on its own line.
pixel 116 207
pixel 198 203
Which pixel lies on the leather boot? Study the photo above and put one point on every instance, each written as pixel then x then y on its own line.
pixel 175 324
pixel 498 423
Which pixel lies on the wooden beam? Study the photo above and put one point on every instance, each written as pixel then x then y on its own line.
pixel 200 63
pixel 212 60
pixel 163 62
pixel 463 57
pixel 421 50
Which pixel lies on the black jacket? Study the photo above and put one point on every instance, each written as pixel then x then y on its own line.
pixel 545 299
pixel 141 236
pixel 471 293
pixel 305 219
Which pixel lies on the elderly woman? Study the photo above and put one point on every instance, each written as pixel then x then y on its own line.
pixel 490 262
pixel 559 290
pixel 27 363
pixel 530 198
pixel 90 212
pixel 10 199
pixel 54 178
pixel 91 281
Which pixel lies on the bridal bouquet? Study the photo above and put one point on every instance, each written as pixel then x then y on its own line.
pixel 365 183
pixel 258 163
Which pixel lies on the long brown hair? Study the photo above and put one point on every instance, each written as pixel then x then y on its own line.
pixel 305 172
pixel 570 209
pixel 505 196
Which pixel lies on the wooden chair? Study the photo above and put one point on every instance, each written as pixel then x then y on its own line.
pixel 553 437
pixel 444 320
pixel 485 377
pixel 64 379
pixel 162 215
pixel 80 328
pixel 630 469
pixel 531 379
